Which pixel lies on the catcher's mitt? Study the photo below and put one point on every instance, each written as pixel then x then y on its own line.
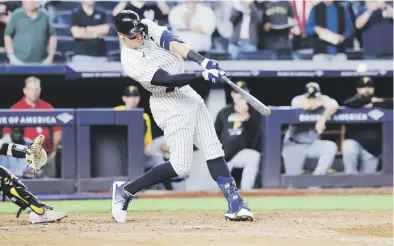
pixel 36 157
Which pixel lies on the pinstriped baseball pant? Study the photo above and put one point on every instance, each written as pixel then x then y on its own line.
pixel 185 120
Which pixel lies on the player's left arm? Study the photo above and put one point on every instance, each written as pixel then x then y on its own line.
pixel 167 40
pixel 187 51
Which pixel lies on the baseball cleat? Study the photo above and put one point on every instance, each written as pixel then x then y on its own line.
pixel 120 202
pixel 49 216
pixel 244 214
pixel 238 210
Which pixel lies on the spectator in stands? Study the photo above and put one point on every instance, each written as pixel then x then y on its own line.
pixel 6 9
pixel 376 23
pixel 246 18
pixel 131 98
pixel 154 11
pixel 329 24
pixel 32 101
pixel 30 36
pixel 194 23
pixel 15 165
pixel 224 26
pixel 301 141
pixel 364 142
pixel 89 27
pixel 278 19
pixel 238 128
pixel 298 36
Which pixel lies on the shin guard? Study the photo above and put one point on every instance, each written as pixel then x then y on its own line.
pixel 16 192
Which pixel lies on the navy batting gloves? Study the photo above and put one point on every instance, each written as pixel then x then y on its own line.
pixel 213 75
pixel 208 64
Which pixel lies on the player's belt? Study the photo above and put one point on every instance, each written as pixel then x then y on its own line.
pixel 169 89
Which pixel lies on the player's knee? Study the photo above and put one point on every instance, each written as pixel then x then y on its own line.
pixel 349 146
pixel 253 155
pixel 331 148
pixel 181 168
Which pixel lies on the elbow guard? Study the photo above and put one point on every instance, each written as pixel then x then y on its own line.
pixel 166 38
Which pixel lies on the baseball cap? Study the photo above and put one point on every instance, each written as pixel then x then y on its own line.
pixel 242 84
pixel 312 89
pixel 131 91
pixel 365 82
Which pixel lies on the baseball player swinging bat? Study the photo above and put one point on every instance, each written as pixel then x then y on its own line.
pixel 154 57
pixel 256 104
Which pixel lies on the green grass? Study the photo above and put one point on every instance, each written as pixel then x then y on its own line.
pixel 370 202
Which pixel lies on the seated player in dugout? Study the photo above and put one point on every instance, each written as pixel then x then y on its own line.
pixel 13 188
pixel 303 140
pixel 238 128
pixel 363 142
pixel 131 98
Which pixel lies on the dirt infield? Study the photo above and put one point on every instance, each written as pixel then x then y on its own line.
pixel 274 228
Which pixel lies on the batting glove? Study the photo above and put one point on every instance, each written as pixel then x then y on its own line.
pixel 213 75
pixel 208 64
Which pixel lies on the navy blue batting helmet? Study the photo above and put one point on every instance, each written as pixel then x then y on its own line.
pixel 128 22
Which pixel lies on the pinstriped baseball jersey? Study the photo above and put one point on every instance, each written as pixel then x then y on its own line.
pixel 181 114
pixel 142 63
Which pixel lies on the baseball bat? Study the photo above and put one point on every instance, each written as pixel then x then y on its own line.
pixel 256 104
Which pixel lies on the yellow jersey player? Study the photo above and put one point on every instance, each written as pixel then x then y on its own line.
pixel 131 98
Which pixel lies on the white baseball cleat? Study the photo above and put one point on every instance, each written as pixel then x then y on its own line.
pixel 120 201
pixel 49 216
pixel 244 214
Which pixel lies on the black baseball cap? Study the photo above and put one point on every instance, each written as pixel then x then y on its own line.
pixel 312 89
pixel 365 82
pixel 131 91
pixel 242 84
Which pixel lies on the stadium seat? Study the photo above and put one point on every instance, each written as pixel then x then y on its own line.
pixel 218 55
pixel 65 43
pixel 258 55
pixel 219 44
pixel 106 5
pixel 354 54
pixel 65 5
pixel 112 44
pixel 68 55
pixel 59 57
pixel 112 32
pixel 304 54
pixel 63 17
pixel 114 55
pixel 63 30
pixel 3 58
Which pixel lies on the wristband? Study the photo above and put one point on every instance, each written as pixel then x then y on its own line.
pixel 195 56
